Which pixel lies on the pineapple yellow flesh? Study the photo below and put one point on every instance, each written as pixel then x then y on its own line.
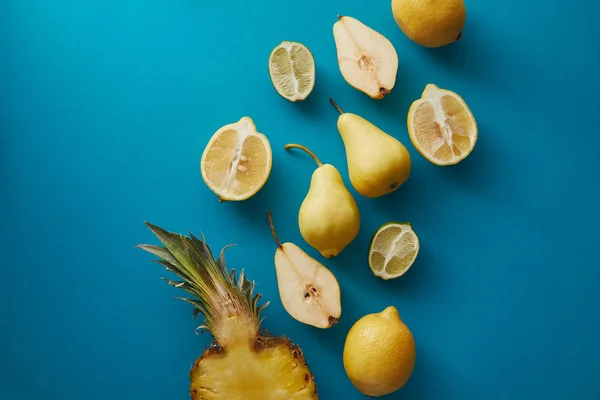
pixel 274 372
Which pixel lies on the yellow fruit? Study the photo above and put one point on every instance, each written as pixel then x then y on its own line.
pixel 377 162
pixel 393 250
pixel 379 353
pixel 430 23
pixel 243 362
pixel 236 162
pixel 441 126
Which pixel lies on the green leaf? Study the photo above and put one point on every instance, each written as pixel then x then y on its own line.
pixel 176 246
pixel 221 261
pixel 160 252
pixel 179 272
pixel 183 286
pixel 262 307
pixel 199 306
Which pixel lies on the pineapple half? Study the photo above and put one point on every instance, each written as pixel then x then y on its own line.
pixel 243 362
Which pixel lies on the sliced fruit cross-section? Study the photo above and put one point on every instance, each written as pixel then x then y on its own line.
pixel 292 70
pixel 441 126
pixel 309 292
pixel 237 161
pixel 393 250
pixel 243 362
pixel 367 60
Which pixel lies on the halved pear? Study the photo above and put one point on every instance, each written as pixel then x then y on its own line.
pixel 368 61
pixel 309 292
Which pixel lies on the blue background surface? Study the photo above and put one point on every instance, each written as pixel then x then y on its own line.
pixel 105 108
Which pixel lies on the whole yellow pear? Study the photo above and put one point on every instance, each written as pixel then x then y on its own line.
pixel 328 219
pixel 377 162
pixel 430 23
pixel 379 353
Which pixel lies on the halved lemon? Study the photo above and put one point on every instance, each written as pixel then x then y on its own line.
pixel 292 70
pixel 441 126
pixel 237 161
pixel 393 250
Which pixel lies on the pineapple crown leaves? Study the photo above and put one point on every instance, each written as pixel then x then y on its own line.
pixel 215 290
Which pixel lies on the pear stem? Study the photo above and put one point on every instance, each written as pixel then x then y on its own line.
pixel 270 217
pixel 310 153
pixel 336 106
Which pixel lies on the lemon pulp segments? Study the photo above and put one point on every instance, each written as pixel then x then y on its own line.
pixel 237 161
pixel 393 250
pixel 292 70
pixel 441 126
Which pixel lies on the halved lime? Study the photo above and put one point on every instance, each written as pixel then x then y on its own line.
pixel 292 70
pixel 393 250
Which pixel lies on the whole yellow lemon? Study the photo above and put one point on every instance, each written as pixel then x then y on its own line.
pixel 430 23
pixel 379 353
